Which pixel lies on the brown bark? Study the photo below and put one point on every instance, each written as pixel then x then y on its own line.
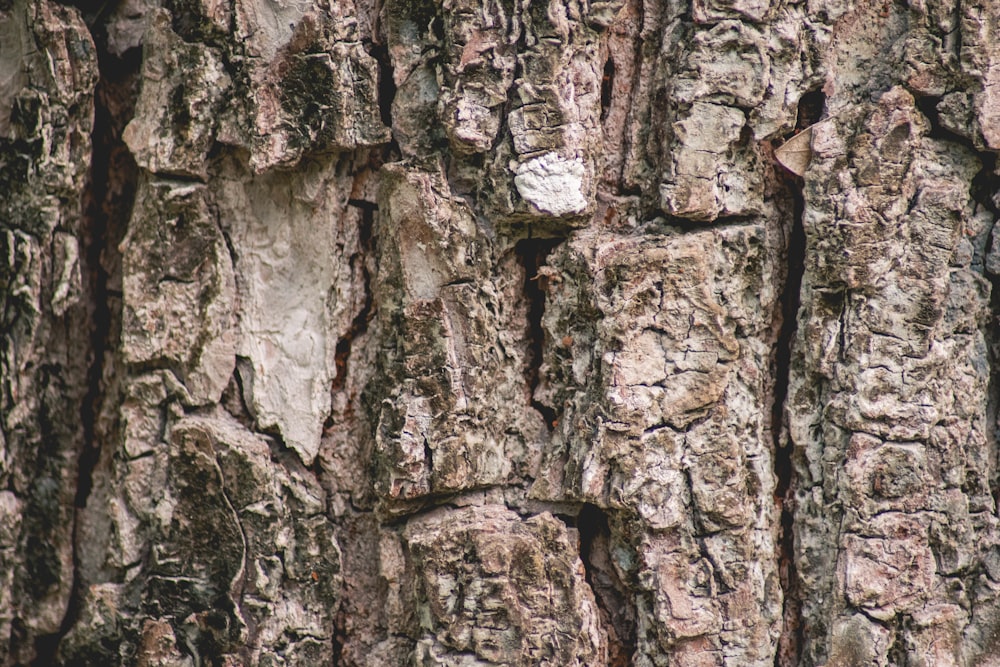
pixel 525 333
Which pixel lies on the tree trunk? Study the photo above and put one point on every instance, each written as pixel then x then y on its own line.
pixel 507 332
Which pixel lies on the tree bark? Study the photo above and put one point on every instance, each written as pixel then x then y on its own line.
pixel 508 332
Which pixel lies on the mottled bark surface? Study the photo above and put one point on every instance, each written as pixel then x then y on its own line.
pixel 504 332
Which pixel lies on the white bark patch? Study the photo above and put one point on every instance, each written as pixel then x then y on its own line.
pixel 286 243
pixel 67 264
pixel 285 325
pixel 552 183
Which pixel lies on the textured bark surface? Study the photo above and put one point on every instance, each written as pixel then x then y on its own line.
pixel 507 332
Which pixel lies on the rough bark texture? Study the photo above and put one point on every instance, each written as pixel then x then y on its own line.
pixel 496 333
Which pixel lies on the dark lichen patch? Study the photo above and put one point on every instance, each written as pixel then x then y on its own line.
pixel 190 22
pixel 193 569
pixel 328 91
pixel 412 20
pixel 305 95
pixel 180 112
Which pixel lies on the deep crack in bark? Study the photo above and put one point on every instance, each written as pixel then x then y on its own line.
pixel 790 643
pixel 359 325
pixel 532 253
pixel 107 205
pixel 614 599
pixel 607 85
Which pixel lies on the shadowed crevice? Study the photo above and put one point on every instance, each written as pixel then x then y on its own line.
pixel 379 50
pixel 532 254
pixel 810 110
pixel 359 325
pixel 607 86
pixel 107 206
pixel 614 597
pixel 790 642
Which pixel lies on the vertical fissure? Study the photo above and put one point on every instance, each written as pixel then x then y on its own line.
pixel 359 325
pixel 614 599
pixel 790 642
pixel 607 87
pixel 810 110
pixel 533 253
pixel 379 50
pixel 107 205
pixel 899 652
